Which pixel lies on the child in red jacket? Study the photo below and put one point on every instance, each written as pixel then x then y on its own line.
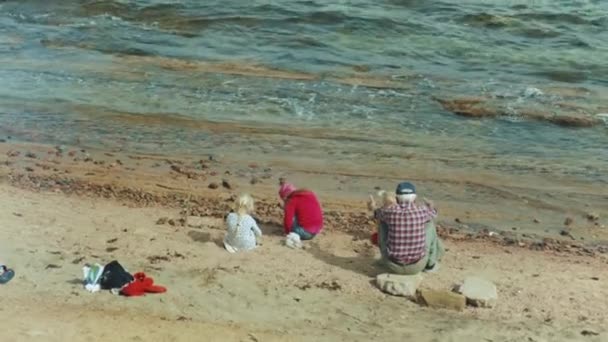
pixel 303 214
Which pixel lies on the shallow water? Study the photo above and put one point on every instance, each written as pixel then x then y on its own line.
pixel 349 81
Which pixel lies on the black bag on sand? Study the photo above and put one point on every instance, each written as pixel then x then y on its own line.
pixel 114 276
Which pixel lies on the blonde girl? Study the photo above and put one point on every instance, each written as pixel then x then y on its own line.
pixel 243 232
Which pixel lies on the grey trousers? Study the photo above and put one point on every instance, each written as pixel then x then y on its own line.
pixel 433 254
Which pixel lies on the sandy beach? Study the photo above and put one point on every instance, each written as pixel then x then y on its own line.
pixel 62 209
pixel 129 128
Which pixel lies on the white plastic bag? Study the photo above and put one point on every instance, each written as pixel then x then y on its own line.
pixel 293 241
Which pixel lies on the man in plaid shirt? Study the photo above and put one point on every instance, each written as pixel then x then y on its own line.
pixel 407 236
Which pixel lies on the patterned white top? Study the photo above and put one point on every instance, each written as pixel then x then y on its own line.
pixel 242 233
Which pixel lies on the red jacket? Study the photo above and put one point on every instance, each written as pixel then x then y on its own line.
pixel 306 208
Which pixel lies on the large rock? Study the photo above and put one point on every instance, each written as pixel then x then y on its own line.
pixel 479 292
pixel 440 299
pixel 399 285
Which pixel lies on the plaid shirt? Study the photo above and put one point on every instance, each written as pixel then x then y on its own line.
pixel 406 222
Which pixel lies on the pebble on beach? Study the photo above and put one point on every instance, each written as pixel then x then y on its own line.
pixel 592 216
pixel 226 184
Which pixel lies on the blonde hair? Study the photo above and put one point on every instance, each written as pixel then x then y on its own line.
pixel 387 198
pixel 244 204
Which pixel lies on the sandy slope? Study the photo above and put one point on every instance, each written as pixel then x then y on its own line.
pixel 321 293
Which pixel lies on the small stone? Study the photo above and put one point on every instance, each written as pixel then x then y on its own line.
pixel 77 260
pixel 216 158
pixel 536 220
pixel 399 285
pixel 226 184
pixel 589 333
pixel 29 169
pixel 30 155
pixel 457 220
pixel 253 166
pixel 479 292
pixel 213 185
pixel 254 180
pixel 439 299
pixel 568 221
pixel 162 220
pixel 592 216
pixel 13 153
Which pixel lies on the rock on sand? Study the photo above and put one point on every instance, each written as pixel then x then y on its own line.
pixel 399 285
pixel 439 299
pixel 479 292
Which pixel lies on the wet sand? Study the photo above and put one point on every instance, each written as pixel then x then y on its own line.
pixel 60 213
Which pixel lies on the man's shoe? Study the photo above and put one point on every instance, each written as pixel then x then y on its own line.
pixel 432 269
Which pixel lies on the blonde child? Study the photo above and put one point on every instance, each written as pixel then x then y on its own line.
pixel 386 199
pixel 243 232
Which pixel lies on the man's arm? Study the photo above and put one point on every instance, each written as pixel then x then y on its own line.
pixel 290 211
pixel 431 210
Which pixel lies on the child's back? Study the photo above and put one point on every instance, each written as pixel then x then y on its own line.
pixel 243 231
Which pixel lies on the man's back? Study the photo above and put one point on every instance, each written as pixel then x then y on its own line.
pixel 406 230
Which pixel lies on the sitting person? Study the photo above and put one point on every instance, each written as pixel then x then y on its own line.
pixel 303 214
pixel 243 232
pixel 387 199
pixel 407 236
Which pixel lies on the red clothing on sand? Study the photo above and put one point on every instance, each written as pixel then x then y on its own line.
pixel 306 209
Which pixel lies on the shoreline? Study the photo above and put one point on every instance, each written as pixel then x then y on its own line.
pixel 208 188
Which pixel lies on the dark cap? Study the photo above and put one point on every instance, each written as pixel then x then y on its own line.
pixel 405 188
